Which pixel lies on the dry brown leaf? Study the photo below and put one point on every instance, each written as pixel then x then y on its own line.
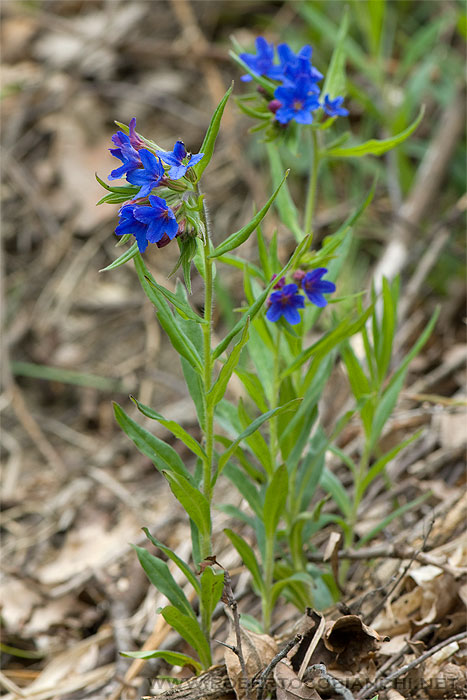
pixel 289 686
pixel 258 650
pixel 351 640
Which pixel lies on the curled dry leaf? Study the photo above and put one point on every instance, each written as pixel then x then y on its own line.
pixel 258 651
pixel 351 640
pixel 289 686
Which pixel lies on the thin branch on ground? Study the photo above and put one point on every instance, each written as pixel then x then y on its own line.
pixel 333 682
pixel 273 663
pixel 229 599
pixel 369 690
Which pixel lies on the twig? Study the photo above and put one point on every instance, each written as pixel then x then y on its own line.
pixel 333 682
pixel 232 603
pixel 413 664
pixel 273 663
pixel 373 613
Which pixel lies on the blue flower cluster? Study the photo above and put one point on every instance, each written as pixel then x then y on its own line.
pixel 286 300
pixel 154 222
pixel 297 96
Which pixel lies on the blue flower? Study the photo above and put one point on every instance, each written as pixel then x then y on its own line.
pixel 333 107
pixel 297 102
pixel 176 160
pixel 263 62
pixel 135 140
pixel 126 153
pixel 158 218
pixel 129 224
pixel 149 176
pixel 296 66
pixel 286 303
pixel 314 287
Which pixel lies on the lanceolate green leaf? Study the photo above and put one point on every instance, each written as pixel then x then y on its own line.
pixel 183 566
pixel 379 465
pixel 375 147
pixel 275 500
pixel 251 311
pixel 163 455
pixel 124 258
pixel 211 134
pixel 189 630
pixel 158 573
pixel 174 428
pixel 248 556
pixel 174 658
pixel 181 305
pixel 194 502
pixel 236 239
pixel 179 340
pixel 334 85
pixel 284 204
pixel 290 406
pixel 212 585
pixel 220 386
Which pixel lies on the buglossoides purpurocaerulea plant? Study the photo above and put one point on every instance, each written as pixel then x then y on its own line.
pixel 270 444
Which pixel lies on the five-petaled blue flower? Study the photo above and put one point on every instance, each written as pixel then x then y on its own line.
pixel 126 153
pixel 129 224
pixel 158 218
pixel 176 160
pixel 298 66
pixel 286 303
pixel 314 287
pixel 298 101
pixel 149 176
pixel 263 62
pixel 333 107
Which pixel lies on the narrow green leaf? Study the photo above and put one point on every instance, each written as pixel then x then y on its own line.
pixel 124 258
pixel 189 630
pixel 332 485
pixel 218 389
pixel 182 307
pixel 248 557
pixel 284 204
pixel 183 566
pixel 174 658
pixel 179 340
pixel 194 502
pixel 334 84
pixel 257 423
pixel 264 82
pixel 255 441
pixel 375 147
pixel 174 428
pixel 236 239
pixel 380 464
pixel 162 455
pixel 245 486
pixel 254 388
pixel 159 575
pixel 392 391
pixel 275 500
pixel 207 146
pixel 298 577
pixel 252 310
pixel 212 586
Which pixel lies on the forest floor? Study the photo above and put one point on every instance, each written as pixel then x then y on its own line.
pixel 76 493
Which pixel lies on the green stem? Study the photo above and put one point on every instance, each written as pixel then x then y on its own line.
pixel 311 194
pixel 274 402
pixel 207 378
pixel 268 579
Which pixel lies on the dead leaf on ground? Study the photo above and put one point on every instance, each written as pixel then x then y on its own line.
pixel 258 650
pixel 289 686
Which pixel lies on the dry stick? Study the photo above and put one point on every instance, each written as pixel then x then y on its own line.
pixel 372 614
pixel 333 682
pixel 312 646
pixel 419 636
pixel 413 664
pixel 267 671
pixel 232 603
